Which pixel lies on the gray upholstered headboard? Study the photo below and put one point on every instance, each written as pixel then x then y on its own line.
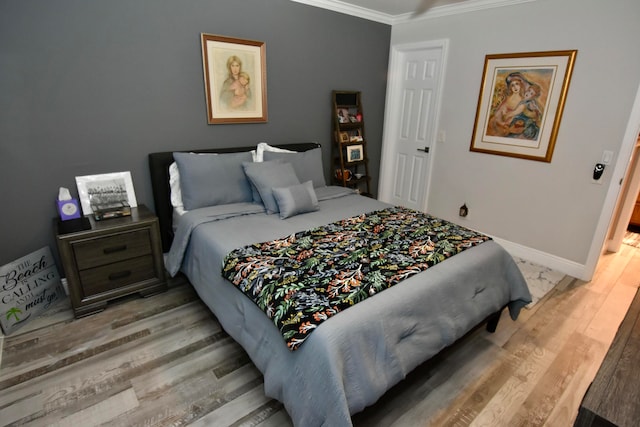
pixel 159 168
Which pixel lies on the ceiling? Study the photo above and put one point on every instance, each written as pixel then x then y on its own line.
pixel 398 11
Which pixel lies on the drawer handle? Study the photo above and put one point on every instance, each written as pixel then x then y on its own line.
pixel 114 249
pixel 119 275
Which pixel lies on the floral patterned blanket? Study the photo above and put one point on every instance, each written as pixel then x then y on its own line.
pixel 303 279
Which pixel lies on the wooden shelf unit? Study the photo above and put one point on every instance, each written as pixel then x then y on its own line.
pixel 350 162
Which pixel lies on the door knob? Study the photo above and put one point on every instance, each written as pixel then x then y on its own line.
pixel 425 149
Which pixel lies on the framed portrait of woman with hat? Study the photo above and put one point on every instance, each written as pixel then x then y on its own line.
pixel 520 105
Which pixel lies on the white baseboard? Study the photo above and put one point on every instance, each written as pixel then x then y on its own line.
pixel 565 266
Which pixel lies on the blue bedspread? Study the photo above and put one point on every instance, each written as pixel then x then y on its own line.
pixel 354 357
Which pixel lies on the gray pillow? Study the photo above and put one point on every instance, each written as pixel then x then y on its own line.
pixel 307 164
pixel 297 199
pixel 212 180
pixel 267 175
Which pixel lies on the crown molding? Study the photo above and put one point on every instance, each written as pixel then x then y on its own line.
pixel 385 18
pixel 350 9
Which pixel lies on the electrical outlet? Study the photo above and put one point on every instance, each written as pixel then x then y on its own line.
pixel 463 212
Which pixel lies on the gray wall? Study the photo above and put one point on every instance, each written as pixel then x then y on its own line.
pixel 93 87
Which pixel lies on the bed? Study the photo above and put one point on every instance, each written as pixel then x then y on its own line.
pixel 353 357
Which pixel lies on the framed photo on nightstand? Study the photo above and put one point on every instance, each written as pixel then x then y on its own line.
pixel 105 189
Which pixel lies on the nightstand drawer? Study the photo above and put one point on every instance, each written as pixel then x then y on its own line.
pixel 110 249
pixel 112 276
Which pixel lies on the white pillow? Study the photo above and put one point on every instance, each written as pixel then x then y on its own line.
pixel 174 188
pixel 263 146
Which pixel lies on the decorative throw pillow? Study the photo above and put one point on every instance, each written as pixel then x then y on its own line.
pixel 267 175
pixel 296 199
pixel 213 180
pixel 307 164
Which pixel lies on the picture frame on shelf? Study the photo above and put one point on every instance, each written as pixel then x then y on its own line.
pixel 343 136
pixel 343 174
pixel 343 115
pixel 356 137
pixel 235 79
pixel 105 189
pixel 354 153
pixel 520 105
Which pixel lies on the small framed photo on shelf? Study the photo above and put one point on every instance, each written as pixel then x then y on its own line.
pixel 343 136
pixel 354 153
pixel 357 137
pixel 343 115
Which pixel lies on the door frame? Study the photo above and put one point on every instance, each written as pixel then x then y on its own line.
pixel 393 105
pixel 626 201
pixel 607 217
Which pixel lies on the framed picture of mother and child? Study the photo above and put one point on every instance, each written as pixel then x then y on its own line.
pixel 522 96
pixel 235 79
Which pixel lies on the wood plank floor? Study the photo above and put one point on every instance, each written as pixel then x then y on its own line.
pixel 164 360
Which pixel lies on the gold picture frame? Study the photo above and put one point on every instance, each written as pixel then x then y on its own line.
pixel 520 105
pixel 235 79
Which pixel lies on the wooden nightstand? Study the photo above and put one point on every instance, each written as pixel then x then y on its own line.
pixel 112 258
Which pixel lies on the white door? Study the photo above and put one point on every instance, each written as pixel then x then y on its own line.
pixel 413 101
